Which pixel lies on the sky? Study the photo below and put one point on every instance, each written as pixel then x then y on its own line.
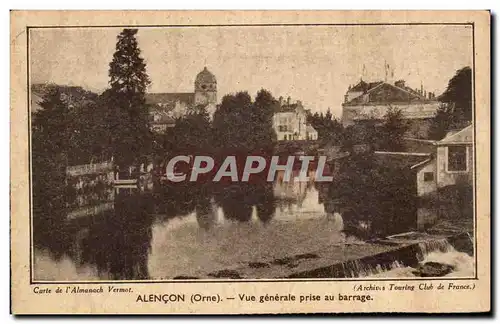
pixel 314 64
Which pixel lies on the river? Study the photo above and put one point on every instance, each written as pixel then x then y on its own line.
pixel 198 231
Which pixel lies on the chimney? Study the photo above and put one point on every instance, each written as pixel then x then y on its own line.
pixel 281 100
pixel 288 100
pixel 430 95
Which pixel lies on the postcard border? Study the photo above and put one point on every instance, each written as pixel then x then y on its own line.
pixel 31 253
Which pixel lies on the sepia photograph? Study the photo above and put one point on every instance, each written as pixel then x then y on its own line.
pixel 131 131
pixel 250 162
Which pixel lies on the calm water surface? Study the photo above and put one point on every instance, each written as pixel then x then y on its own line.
pixel 192 230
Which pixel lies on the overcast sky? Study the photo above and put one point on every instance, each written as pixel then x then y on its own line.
pixel 314 64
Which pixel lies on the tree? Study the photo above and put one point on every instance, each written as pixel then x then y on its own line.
pixel 458 96
pixel 329 129
pixel 393 130
pixel 328 115
pixel 192 134
pixel 127 111
pixel 440 123
pixel 50 150
pixel 231 122
pixel 262 119
pixel 365 133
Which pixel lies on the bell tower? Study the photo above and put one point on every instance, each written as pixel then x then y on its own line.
pixel 205 88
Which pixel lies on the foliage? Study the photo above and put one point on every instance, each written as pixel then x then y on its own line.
pixel 50 152
pixel 360 133
pixel 262 118
pixel 455 110
pixel 242 125
pixel 386 135
pixel 330 130
pixel 458 95
pixel 192 134
pixel 128 120
pixel 392 131
pixel 378 194
pixel 441 123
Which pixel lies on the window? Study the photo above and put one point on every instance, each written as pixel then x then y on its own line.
pixel 428 176
pixel 457 158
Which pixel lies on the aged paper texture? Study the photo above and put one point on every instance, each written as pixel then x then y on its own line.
pixel 259 162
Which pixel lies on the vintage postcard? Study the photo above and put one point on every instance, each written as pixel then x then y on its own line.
pixel 260 162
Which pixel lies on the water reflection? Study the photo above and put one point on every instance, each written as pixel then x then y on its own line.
pixel 118 242
pixel 190 229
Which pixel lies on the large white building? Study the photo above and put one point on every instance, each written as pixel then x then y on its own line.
pixel 290 123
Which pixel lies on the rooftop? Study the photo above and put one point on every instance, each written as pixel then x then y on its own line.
pixel 205 76
pixel 169 98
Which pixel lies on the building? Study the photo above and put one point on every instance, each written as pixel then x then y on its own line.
pixel 445 180
pixel 177 104
pixel 160 120
pixel 311 133
pixel 454 159
pixel 372 100
pixel 443 163
pixel 290 122
pixel 439 174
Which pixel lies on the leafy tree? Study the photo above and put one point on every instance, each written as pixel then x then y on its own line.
pixel 192 134
pixel 458 95
pixel 85 122
pixel 231 122
pixel 89 134
pixel 393 130
pixel 366 133
pixel 245 126
pixel 330 130
pixel 127 112
pixel 50 150
pixel 440 123
pixel 328 115
pixel 455 110
pixel 262 119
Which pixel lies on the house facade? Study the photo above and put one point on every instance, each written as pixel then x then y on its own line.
pixel 455 158
pixel 372 100
pixel 290 123
pixel 452 162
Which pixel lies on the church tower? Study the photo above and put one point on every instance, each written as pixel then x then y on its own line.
pixel 205 89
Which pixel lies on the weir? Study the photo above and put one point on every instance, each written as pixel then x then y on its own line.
pixel 407 256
